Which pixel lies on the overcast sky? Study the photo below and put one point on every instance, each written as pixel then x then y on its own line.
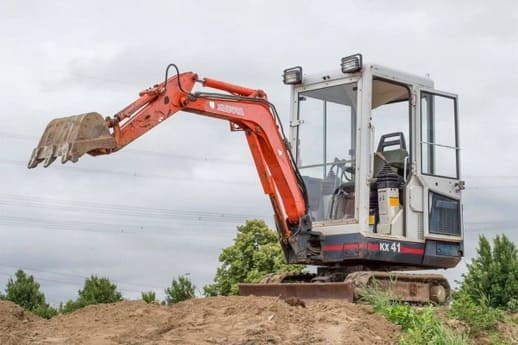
pixel 169 203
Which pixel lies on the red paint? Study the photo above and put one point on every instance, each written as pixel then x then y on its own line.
pixel 340 247
pixel 373 246
pixel 369 246
pixel 408 250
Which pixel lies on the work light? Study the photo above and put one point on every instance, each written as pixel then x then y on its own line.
pixel 292 75
pixel 351 64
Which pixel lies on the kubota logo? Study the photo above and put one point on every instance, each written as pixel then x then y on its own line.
pixel 230 109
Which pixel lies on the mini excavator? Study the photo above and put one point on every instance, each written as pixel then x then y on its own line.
pixel 367 185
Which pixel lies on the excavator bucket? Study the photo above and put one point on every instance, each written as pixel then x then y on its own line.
pixel 304 291
pixel 71 137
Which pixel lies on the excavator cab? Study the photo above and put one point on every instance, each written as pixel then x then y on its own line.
pixel 395 200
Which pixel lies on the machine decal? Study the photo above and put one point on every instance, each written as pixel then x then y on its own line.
pixel 351 246
pixel 225 108
pixel 394 201
pixel 390 247
pixel 230 109
pixel 382 246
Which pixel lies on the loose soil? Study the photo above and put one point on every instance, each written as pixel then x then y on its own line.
pixel 218 320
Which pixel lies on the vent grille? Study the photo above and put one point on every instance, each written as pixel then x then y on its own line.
pixel 444 215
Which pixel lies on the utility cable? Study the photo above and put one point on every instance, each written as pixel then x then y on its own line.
pixel 73 275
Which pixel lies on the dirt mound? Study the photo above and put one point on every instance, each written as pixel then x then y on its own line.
pixel 14 322
pixel 218 320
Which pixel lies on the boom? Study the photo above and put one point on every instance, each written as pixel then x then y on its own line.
pixel 246 109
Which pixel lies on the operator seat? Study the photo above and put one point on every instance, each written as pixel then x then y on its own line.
pixel 392 153
pixel 387 155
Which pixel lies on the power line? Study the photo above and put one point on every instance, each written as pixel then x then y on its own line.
pixel 73 275
pixel 122 229
pixel 121 209
pixel 233 182
pixel 12 135
pixel 58 202
pixel 491 176
pixel 126 210
pixel 490 222
pixel 112 229
pixel 492 187
pixel 134 174
pixel 67 282
pixel 14 200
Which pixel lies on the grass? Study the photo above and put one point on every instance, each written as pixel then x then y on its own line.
pixel 420 326
pixel 479 317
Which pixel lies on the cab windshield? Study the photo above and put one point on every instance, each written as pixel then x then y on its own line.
pixel 326 150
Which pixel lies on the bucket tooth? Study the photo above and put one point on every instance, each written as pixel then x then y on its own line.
pixel 50 154
pixel 70 138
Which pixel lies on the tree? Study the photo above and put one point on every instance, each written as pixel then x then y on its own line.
pixel 25 292
pixel 96 290
pixel 256 252
pixel 149 297
pixel 493 276
pixel 181 289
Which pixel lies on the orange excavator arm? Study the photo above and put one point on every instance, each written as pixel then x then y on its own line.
pixel 246 109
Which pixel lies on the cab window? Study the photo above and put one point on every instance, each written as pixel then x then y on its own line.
pixel 390 121
pixel 439 147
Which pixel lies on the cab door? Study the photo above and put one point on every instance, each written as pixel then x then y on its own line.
pixel 438 165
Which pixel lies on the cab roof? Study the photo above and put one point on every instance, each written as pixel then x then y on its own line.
pixel 377 70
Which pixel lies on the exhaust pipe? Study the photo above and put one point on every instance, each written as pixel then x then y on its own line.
pixel 71 137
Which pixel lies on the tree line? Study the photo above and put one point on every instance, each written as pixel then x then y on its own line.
pixel 255 252
pixel 24 290
pixel 490 282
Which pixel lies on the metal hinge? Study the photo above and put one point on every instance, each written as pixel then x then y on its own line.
pixel 413 99
pixel 296 123
pixel 461 185
pixel 287 143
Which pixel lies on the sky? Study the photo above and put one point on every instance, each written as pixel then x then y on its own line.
pixel 167 204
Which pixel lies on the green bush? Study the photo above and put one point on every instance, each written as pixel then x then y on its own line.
pixel 25 291
pixel 181 289
pixel 478 316
pixel 96 290
pixel 256 252
pixel 493 276
pixel 149 297
pixel 45 311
